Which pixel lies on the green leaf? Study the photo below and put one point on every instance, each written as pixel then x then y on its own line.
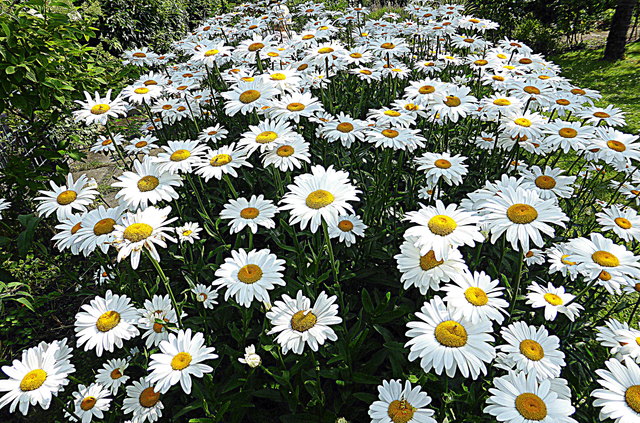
pixel 10 70
pixel 366 301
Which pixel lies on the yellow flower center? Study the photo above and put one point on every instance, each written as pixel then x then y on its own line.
pixel 33 380
pixel 248 78
pixel 76 228
pixel 388 46
pixel 623 223
pixel 481 62
pixel 345 127
pixel 392 113
pixel 249 274
pixel 522 122
pixel 442 225
pixel 400 411
pixel 497 78
pixel 249 96
pixel 476 296
pixel 266 137
pixel 632 397
pixel 601 115
pixel 545 182
pixel 319 199
pixel 345 226
pixel 451 334
pixel 141 90
pixel 390 133
pixel 278 76
pixel 411 107
pixel 108 321
pixel 187 232
pixel 115 374
pixel 285 151
pixel 148 397
pixel 428 261
pixel 501 102
pixel 616 146
pixel 553 299
pixel 426 89
pixel 442 163
pixel 531 90
pixel 211 52
pixel 526 61
pixel 356 55
pixel 308 37
pixel 325 50
pixel 180 155
pixel 531 407
pixel 295 107
pixel 468 40
pixel 106 142
pixel 302 321
pixel 604 276
pixel 366 72
pixel 148 183
pixel 255 46
pixel 88 403
pixel 137 232
pixel 522 213
pixel 564 260
pixel 563 102
pixel 202 297
pixel 568 133
pixel 181 361
pixel 104 226
pixel 578 91
pixel 532 350
pixel 249 213
pixel 66 197
pixel 220 160
pixel 139 54
pixel 605 259
pixel 100 109
pixel 452 101
pixel 141 144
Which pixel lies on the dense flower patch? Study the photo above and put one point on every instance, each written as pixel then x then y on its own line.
pixel 318 203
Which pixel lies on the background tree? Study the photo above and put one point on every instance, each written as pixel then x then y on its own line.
pixel 617 39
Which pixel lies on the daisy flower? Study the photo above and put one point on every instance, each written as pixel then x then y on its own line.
pixel 89 402
pixel 99 109
pixel 624 222
pixel 157 318
pixel 266 136
pixel 346 229
pixel 144 229
pixel 143 401
pixel 523 124
pixel 180 156
pixel 454 103
pixel 439 228
pixel 39 375
pixel 423 270
pixel 568 135
pixel 391 117
pixel 285 80
pixel 104 144
pixel 610 115
pixel 619 397
pixel 139 57
pixel 141 145
pixel 534 256
pixel 475 297
pixel 96 229
pixel 289 155
pixel 180 358
pixel 252 213
pixel 105 322
pixel 222 161
pixel 111 375
pixel 295 106
pixel 443 166
pixel 64 200
pixel 558 258
pixel 600 256
pixel 549 183
pixel 553 300
pixel 321 195
pixel 398 138
pixel 4 205
pixel 444 344
pixel 250 358
pixel 213 134
pixel 141 93
pixel 68 234
pixel 245 97
pixel 517 397
pixel 615 147
pixel 249 276
pixel 205 295
pixel 297 323
pixel 396 404
pixel 533 350
pixel 188 232
pixel 147 184
pixel 522 215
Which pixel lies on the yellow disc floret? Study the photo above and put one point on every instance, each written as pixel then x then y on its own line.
pixel 451 334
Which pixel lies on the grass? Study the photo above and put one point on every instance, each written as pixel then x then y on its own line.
pixel 616 81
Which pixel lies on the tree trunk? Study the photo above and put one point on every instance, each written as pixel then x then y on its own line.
pixel 617 39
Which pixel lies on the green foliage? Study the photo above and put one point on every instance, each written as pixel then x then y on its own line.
pixel 538 36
